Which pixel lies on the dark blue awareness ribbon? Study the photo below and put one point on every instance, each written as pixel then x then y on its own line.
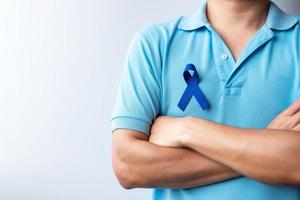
pixel 192 89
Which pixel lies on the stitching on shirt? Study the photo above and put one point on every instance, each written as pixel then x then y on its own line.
pixel 130 118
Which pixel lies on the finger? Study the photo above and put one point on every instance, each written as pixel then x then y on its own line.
pixel 296 128
pixel 279 122
pixel 293 120
pixel 295 107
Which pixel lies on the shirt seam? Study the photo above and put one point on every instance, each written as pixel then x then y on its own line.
pixel 122 117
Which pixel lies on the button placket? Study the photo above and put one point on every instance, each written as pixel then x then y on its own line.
pixel 225 64
pixel 224 56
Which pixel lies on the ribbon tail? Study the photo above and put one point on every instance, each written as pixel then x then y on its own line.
pixel 185 98
pixel 201 99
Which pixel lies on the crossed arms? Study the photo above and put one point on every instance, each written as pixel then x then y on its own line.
pixel 188 152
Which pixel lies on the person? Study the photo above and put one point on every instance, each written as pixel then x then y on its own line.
pixel 208 105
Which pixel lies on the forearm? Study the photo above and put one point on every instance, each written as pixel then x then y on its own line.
pixel 153 166
pixel 175 168
pixel 271 156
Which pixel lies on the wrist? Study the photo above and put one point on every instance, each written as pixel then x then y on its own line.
pixel 189 127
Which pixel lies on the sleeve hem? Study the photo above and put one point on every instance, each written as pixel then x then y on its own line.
pixel 130 123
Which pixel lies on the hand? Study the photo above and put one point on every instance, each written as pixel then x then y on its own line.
pixel 289 119
pixel 167 131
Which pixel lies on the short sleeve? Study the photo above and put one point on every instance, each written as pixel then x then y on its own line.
pixel 138 98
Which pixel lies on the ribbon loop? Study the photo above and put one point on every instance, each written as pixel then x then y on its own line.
pixel 192 89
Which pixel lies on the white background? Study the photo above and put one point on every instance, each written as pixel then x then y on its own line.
pixel 60 62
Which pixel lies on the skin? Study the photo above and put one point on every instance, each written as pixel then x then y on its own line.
pixel 139 163
pixel 153 165
pixel 251 152
pixel 236 21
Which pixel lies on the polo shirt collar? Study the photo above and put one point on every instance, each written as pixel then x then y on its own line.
pixel 277 19
pixel 196 20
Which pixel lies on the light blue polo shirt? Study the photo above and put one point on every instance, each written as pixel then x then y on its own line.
pixel 247 93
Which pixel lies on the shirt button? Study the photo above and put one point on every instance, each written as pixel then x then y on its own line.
pixel 224 56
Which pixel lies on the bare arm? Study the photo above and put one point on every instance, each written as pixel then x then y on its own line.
pixel 140 164
pixel 268 155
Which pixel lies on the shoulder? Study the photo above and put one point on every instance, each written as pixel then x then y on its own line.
pixel 154 39
pixel 159 32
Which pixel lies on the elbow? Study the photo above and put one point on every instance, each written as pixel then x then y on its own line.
pixel 292 178
pixel 125 162
pixel 125 175
pixel 295 178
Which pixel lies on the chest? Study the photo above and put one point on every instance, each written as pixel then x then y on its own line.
pixel 236 41
pixel 246 94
